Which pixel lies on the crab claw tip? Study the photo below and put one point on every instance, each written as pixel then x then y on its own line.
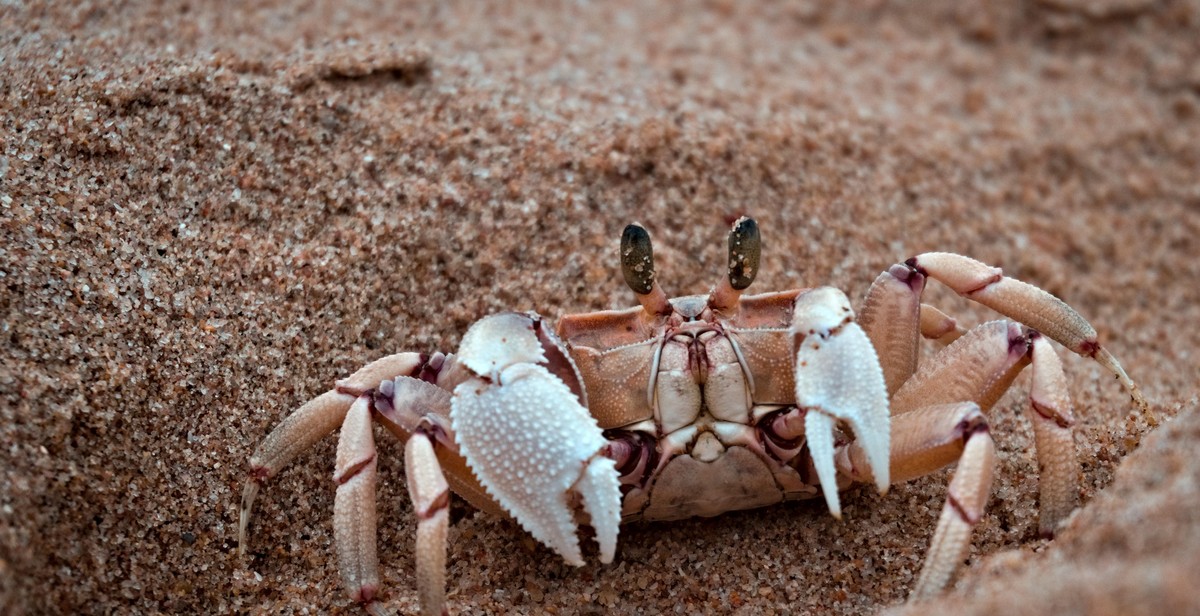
pixel 601 491
pixel 819 429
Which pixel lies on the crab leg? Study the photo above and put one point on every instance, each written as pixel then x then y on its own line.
pixel 431 498
pixel 838 378
pixel 924 440
pixel 313 421
pixel 939 326
pixel 1022 302
pixel 979 366
pixel 890 315
pixel 354 504
pixel 1050 412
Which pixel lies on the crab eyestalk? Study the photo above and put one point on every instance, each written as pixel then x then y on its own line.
pixel 637 265
pixel 745 246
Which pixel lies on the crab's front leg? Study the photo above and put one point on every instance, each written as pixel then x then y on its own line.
pixel 349 405
pixel 838 380
pixel 528 437
pixel 313 421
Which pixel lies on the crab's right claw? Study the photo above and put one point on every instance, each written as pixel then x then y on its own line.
pixel 838 379
pixel 530 441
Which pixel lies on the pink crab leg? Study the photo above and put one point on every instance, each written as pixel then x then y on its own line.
pixel 938 431
pixel 1052 418
pixel 310 423
pixel 979 367
pixel 890 315
pixel 924 441
pixel 431 499
pixel 354 504
pixel 1023 302
pixel 981 370
pixel 939 326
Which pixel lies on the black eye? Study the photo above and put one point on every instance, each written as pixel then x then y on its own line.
pixel 744 250
pixel 637 259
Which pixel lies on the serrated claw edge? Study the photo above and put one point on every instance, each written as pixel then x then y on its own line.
pixel 530 442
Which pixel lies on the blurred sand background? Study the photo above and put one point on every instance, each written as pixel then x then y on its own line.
pixel 209 211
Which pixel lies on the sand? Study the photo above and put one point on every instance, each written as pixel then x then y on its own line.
pixel 209 215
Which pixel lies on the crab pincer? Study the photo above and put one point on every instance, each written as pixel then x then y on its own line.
pixel 529 439
pixel 838 379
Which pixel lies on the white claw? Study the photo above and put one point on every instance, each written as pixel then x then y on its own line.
pixel 498 341
pixel 529 441
pixel 599 483
pixel 819 430
pixel 838 377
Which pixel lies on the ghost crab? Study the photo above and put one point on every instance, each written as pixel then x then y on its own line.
pixel 695 406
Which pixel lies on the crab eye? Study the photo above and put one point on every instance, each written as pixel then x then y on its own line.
pixel 637 259
pixel 744 250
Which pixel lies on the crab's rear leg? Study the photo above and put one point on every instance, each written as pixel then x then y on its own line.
pixel 431 499
pixel 416 408
pixel 1022 302
pixel 354 504
pixel 938 419
pixel 310 423
pixel 925 441
pixel 980 367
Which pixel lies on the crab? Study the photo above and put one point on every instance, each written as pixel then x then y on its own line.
pixel 695 406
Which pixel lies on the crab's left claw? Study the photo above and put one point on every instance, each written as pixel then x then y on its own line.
pixel 839 380
pixel 529 439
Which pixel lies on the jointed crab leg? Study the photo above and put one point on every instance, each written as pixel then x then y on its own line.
pixel 939 326
pixel 354 504
pixel 431 499
pixel 310 423
pixel 926 440
pixel 965 500
pixel 889 316
pixel 1023 302
pixel 1052 418
pixel 979 367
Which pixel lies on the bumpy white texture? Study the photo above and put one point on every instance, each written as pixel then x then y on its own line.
pixel 529 441
pixel 819 428
pixel 498 341
pixel 838 374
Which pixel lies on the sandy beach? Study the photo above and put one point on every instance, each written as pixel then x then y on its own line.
pixel 210 213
